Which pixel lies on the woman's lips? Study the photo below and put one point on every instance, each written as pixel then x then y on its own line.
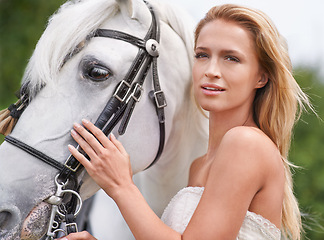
pixel 212 89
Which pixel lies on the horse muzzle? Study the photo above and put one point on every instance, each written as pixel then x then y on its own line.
pixel 34 226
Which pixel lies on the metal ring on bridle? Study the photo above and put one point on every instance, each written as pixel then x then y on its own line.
pixel 62 184
pixel 79 205
pixel 59 230
pixel 152 47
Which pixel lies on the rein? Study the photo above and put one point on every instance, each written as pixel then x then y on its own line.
pixel 119 108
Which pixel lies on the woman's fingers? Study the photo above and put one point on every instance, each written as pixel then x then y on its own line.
pixel 84 144
pixel 99 135
pixel 118 144
pixel 94 142
pixel 80 157
pixel 87 136
pixel 110 163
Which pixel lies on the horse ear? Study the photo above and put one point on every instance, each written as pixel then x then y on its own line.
pixel 135 9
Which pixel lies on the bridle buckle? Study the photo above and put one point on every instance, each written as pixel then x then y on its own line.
pixel 72 165
pixel 136 93
pixel 120 92
pixel 71 227
pixel 160 99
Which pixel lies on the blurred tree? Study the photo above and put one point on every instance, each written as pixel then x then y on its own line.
pixel 307 152
pixel 21 25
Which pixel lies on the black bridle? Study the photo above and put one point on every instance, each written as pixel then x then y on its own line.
pixel 119 108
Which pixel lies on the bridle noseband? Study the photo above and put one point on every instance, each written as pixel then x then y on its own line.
pixel 119 108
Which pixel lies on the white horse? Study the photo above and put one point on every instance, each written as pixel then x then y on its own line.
pixel 69 93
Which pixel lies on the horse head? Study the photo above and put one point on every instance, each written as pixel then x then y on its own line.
pixel 70 76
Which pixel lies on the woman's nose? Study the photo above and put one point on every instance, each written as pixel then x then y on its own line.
pixel 213 70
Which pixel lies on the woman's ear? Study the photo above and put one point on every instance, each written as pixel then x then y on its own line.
pixel 263 81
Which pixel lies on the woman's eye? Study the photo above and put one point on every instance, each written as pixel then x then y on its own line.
pixel 97 73
pixel 201 55
pixel 232 59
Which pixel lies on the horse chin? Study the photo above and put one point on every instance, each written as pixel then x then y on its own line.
pixel 34 226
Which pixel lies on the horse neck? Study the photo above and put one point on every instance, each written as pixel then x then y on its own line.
pixel 188 138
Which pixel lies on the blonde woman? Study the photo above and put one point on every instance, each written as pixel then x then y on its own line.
pixel 242 187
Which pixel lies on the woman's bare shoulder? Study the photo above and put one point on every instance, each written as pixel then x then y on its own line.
pixel 246 133
pixel 251 145
pixel 249 138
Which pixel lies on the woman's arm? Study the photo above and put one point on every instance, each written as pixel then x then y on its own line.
pixel 243 166
pixel 110 168
pixel 238 172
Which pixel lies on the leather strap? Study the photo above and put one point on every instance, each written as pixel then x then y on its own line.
pixel 108 33
pixel 59 166
pixel 71 226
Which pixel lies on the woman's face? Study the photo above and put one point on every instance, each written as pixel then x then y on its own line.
pixel 226 70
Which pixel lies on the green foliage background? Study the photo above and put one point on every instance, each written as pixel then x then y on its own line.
pixel 21 25
pixel 307 152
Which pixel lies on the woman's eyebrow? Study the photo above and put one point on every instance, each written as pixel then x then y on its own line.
pixel 201 48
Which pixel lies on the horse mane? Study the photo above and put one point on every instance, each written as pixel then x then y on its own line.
pixel 180 22
pixel 184 26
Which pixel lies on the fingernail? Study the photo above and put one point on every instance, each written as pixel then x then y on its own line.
pixel 85 121
pixel 73 132
pixel 76 125
pixel 112 136
pixel 70 146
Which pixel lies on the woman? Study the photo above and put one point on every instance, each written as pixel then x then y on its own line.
pixel 242 187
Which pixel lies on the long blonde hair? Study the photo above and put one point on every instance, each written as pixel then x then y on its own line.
pixel 277 105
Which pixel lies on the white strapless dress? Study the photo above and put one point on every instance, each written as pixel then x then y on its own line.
pixel 182 206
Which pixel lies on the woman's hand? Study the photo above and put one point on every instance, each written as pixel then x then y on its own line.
pixel 110 164
pixel 78 236
pixel 110 168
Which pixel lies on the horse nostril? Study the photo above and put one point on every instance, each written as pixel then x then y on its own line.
pixel 6 220
pixel 9 218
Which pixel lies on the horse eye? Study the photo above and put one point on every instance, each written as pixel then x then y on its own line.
pixel 97 73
